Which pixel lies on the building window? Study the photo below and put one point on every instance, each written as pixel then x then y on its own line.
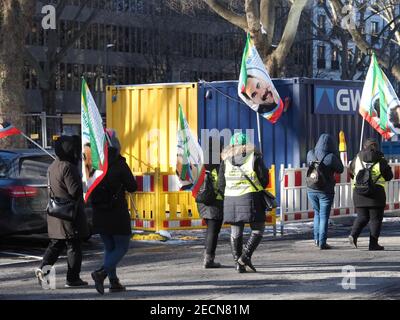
pixel 321 57
pixel 321 24
pixel 374 32
pixel 335 59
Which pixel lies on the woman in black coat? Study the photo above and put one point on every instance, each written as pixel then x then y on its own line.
pixel 212 213
pixel 65 182
pixel 242 203
pixel 111 218
pixel 370 208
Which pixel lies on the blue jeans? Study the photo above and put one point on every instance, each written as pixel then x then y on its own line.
pixel 321 203
pixel 115 247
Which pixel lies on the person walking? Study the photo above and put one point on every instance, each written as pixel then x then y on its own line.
pixel 370 206
pixel 327 153
pixel 111 218
pixel 65 183
pixel 211 210
pixel 241 176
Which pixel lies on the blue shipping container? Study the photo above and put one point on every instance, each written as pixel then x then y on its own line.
pixel 317 106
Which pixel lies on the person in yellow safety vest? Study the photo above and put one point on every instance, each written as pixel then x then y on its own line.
pixel 370 208
pixel 212 212
pixel 242 163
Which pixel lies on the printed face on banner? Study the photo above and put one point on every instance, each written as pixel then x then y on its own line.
pixel 260 93
pixel 255 86
pixel 393 113
pixel 87 160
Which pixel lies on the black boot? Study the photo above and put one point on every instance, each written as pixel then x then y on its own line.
pixel 98 277
pixel 116 286
pixel 251 245
pixel 237 247
pixel 373 244
pixel 209 262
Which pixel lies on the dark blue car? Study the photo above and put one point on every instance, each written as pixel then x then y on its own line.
pixel 23 191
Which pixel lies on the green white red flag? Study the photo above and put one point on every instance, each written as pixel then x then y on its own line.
pixel 379 104
pixel 255 87
pixel 94 143
pixel 190 160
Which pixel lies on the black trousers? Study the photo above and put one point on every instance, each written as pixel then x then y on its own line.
pixel 372 215
pixel 213 229
pixel 74 256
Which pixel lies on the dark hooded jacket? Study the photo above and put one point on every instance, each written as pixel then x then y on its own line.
pixel 110 210
pixel 66 182
pixel 214 210
pixel 326 147
pixel 248 207
pixel 370 154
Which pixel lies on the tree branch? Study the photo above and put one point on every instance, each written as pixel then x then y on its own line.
pixel 289 33
pixel 60 55
pixel 364 46
pixel 267 18
pixel 224 12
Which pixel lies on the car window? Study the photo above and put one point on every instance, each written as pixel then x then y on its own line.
pixel 34 167
pixel 5 164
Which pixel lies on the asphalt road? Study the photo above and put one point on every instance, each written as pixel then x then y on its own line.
pixel 289 267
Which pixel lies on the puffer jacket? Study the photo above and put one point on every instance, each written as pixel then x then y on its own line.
pixel 326 147
pixel 248 207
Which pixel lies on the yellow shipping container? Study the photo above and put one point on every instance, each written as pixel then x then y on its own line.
pixel 145 118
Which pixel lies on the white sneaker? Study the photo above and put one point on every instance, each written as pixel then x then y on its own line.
pixel 40 276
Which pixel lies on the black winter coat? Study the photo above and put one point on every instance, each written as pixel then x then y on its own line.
pixel 378 199
pixel 249 207
pixel 66 182
pixel 213 211
pixel 326 146
pixel 110 210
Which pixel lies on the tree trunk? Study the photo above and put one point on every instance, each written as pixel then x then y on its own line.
pixel 15 17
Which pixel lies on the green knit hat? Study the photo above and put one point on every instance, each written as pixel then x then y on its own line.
pixel 239 139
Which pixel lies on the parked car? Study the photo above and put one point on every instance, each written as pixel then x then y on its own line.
pixel 23 191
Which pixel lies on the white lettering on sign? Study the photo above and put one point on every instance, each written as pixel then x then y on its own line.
pixel 347 100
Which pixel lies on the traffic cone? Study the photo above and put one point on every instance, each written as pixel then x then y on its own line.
pixel 343 148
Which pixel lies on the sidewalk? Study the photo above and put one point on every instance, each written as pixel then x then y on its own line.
pixel 289 267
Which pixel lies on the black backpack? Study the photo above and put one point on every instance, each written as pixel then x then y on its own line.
pixel 316 174
pixel 364 184
pixel 207 194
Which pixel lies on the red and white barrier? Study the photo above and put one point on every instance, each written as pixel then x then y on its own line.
pixel 145 183
pixel 295 205
pixel 170 183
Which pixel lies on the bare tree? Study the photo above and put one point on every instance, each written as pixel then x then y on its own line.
pixel 350 62
pixel 258 18
pixel 15 19
pixel 387 10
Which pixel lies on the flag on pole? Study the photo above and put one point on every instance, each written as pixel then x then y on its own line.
pixel 379 104
pixel 94 143
pixel 255 87
pixel 190 160
pixel 6 129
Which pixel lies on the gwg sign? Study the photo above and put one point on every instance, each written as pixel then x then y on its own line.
pixel 336 100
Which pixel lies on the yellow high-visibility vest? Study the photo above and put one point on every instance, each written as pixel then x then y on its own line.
pixel 375 170
pixel 236 182
pixel 214 174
